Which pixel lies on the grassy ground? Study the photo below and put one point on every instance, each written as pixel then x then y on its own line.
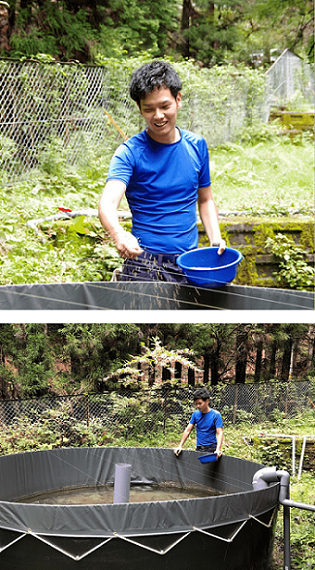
pixel 274 176
pixel 271 177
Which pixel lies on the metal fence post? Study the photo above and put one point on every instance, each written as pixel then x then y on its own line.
pixel 235 404
pixel 87 408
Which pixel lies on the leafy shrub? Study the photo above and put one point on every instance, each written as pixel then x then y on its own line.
pixel 294 271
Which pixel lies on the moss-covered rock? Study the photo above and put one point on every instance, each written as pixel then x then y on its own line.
pixel 249 235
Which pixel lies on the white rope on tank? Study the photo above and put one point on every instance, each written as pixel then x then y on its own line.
pixel 116 535
pixel 261 522
pixel 161 552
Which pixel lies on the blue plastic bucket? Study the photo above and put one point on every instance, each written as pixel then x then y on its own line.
pixel 204 267
pixel 208 458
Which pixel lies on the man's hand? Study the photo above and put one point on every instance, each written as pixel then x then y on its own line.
pixel 127 245
pixel 177 451
pixel 221 246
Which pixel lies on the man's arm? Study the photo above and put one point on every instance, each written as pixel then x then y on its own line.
pixel 186 434
pixel 219 432
pixel 126 244
pixel 209 217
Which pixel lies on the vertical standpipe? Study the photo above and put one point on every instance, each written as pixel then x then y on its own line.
pixel 122 483
pixel 261 480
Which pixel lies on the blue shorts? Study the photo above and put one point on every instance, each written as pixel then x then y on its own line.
pixel 150 266
pixel 206 448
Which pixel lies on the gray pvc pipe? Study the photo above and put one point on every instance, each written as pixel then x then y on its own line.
pixel 90 212
pixel 122 483
pixel 302 456
pixel 261 480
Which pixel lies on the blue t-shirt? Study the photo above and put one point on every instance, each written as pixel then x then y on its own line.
pixel 162 182
pixel 206 425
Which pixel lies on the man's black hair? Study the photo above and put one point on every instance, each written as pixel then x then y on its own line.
pixel 201 393
pixel 149 76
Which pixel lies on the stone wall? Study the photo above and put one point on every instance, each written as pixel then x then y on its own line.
pixel 249 236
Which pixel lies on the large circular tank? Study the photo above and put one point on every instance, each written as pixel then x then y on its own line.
pixel 230 531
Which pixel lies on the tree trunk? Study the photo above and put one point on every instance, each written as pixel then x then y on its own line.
pixel 178 371
pixel 241 357
pixel 4 28
pixel 286 360
pixel 272 363
pixel 185 23
pixel 206 367
pixel 258 364
pixel 311 347
pixel 166 374
pixel 191 377
pixel 214 363
pixel 151 374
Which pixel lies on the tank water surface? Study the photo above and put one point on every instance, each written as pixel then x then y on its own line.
pixel 105 495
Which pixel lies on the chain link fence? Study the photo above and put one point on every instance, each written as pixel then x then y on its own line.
pixel 154 411
pixel 78 111
pixel 58 108
pixel 290 80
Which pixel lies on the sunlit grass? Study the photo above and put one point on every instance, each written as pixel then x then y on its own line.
pixel 275 175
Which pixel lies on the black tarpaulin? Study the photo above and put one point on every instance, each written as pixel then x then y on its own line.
pixel 31 473
pixel 149 296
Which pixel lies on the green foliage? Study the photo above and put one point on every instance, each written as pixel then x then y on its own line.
pixel 97 349
pixel 294 270
pixel 290 24
pixel 124 27
pixel 50 29
pixel 302 531
pixel 99 357
pixel 52 161
pixel 143 26
pixel 55 428
pixel 134 416
pixel 35 361
pixel 7 381
pixel 7 153
pixel 33 258
pixel 212 33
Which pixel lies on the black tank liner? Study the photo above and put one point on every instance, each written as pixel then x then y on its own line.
pixel 231 531
pixel 149 296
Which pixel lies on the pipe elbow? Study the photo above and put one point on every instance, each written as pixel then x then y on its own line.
pixel 267 475
pixel 264 477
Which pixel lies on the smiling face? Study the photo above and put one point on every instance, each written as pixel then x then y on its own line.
pixel 159 110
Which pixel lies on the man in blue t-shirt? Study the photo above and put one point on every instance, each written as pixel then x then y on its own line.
pixel 164 172
pixel 208 423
